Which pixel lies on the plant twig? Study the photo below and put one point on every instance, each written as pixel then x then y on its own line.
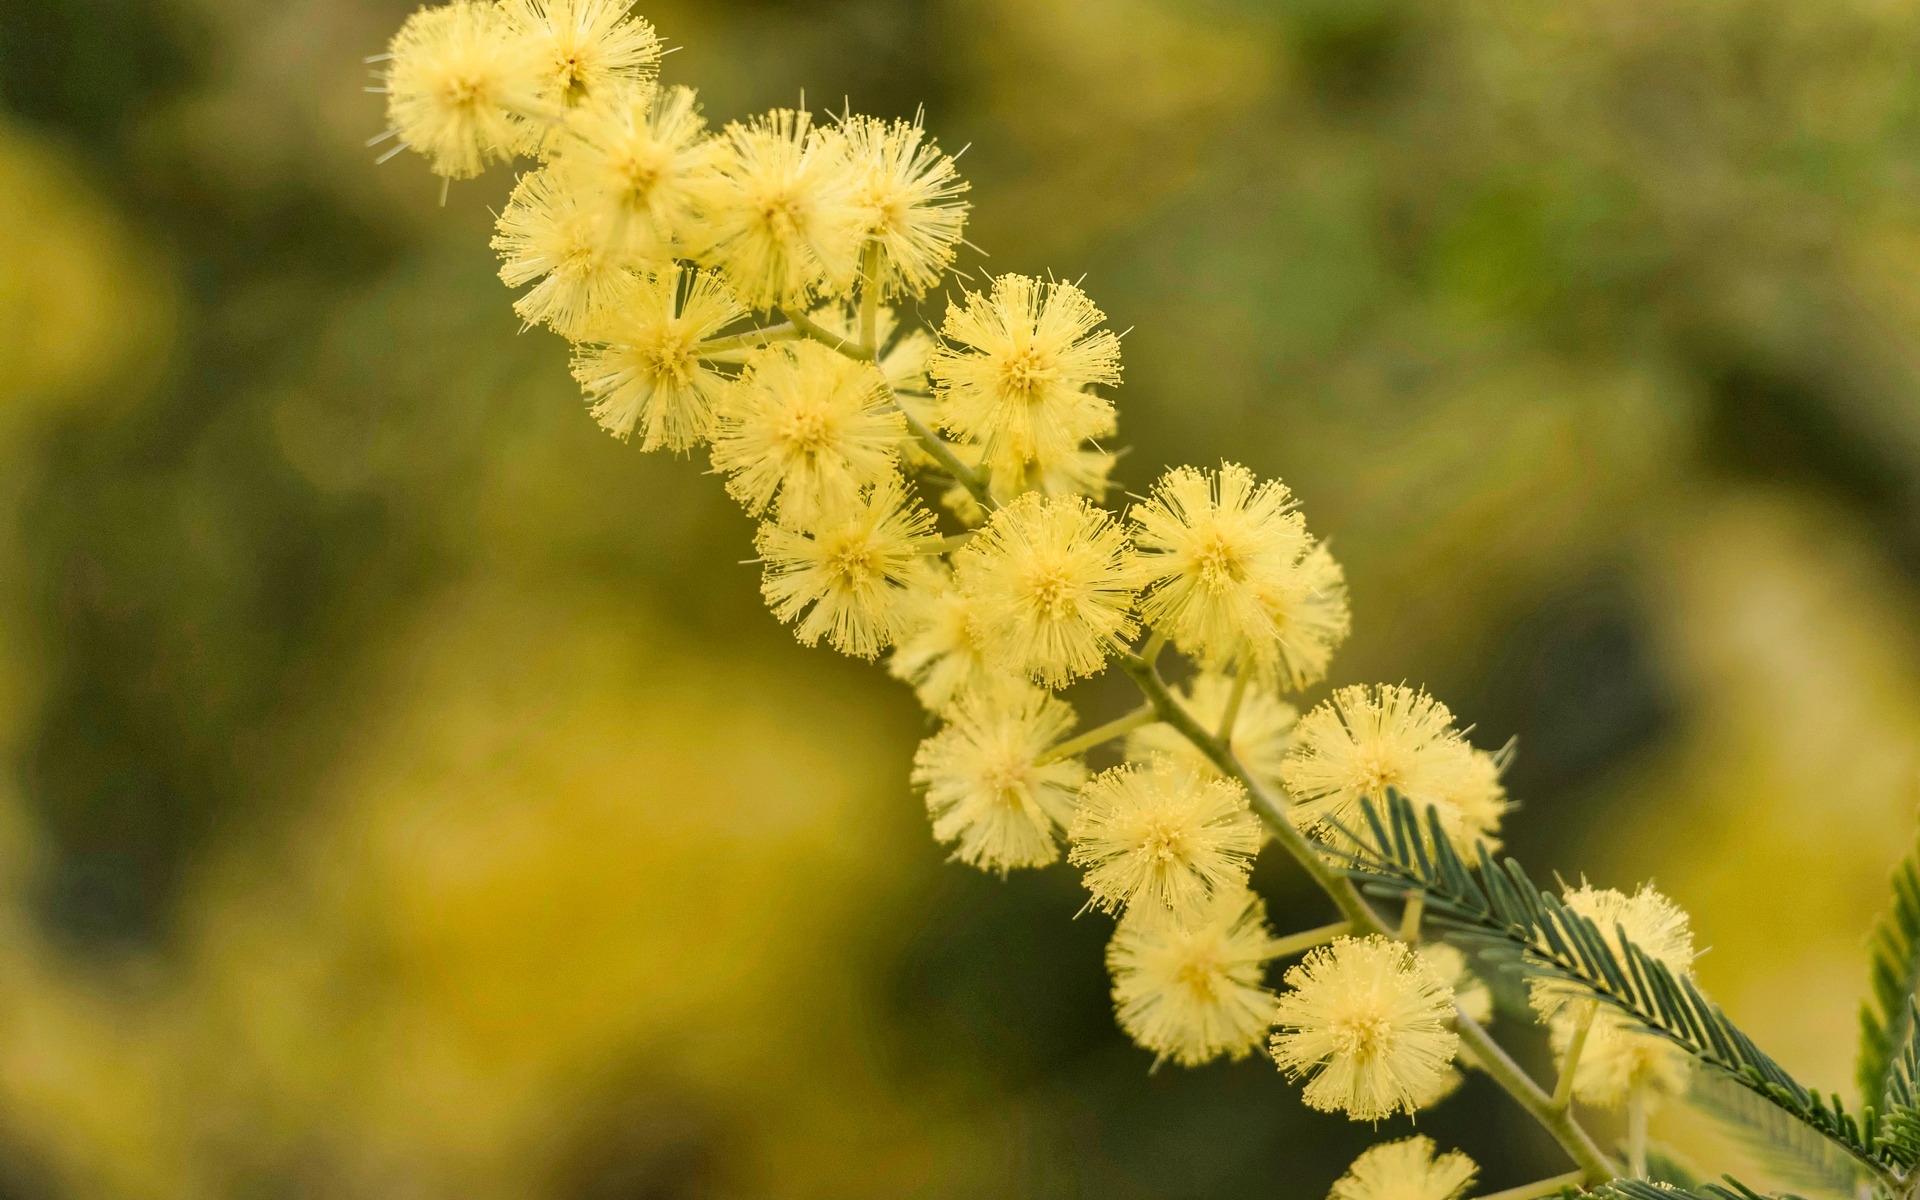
pixel 1488 1055
pixel 1101 734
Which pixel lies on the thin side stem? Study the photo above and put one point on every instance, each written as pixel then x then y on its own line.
pixel 808 327
pixel 1563 1091
pixel 1300 943
pixel 1487 1054
pixel 1637 1132
pixel 1101 734
pixel 1232 715
pixel 870 296
pixel 1410 918
pixel 948 460
pixel 1156 642
pixel 748 340
pixel 934 444
pixel 1539 1188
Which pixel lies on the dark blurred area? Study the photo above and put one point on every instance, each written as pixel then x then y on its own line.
pixel 406 794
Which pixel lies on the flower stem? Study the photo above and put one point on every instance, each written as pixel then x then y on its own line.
pixel 1487 1054
pixel 827 337
pixel 870 296
pixel 1410 918
pixel 1300 943
pixel 1539 1188
pixel 948 460
pixel 1232 715
pixel 1101 734
pixel 1637 1132
pixel 747 340
pixel 1563 1091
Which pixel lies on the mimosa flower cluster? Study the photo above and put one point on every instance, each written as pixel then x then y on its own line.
pixel 941 499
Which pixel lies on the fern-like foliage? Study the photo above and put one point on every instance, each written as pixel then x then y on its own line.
pixel 1634 1189
pixel 1900 1123
pixel 1791 1153
pixel 1498 905
pixel 1886 1022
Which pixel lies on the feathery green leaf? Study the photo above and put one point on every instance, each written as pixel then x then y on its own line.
pixel 1504 910
pixel 1789 1151
pixel 1635 1189
pixel 1885 1019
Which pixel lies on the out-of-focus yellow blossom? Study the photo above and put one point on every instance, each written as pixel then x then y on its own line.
pixel 459 82
pixel 1189 988
pixel 1048 585
pixel 1470 992
pixel 1162 836
pixel 639 366
pixel 1368 1024
pixel 806 426
pixel 1406 1170
pixel 991 789
pixel 939 653
pixel 634 157
pixel 1471 996
pixel 545 237
pixel 1619 1058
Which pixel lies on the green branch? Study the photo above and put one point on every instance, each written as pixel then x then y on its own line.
pixel 1487 1054
pixel 1885 1023
pixel 1498 905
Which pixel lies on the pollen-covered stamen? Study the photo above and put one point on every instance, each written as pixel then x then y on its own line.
pixel 671 359
pixel 1220 561
pixel 855 563
pixel 781 214
pixel 1362 1034
pixel 1047 594
pixel 1051 593
pixel 1009 780
pixel 1026 373
pixel 810 430
pixel 638 175
pixel 1200 975
pixel 1164 840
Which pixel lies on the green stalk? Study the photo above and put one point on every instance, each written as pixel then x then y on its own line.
pixel 870 296
pixel 1300 943
pixel 934 444
pixel 1538 1189
pixel 1232 715
pixel 751 339
pixel 1101 734
pixel 1487 1054
pixel 808 327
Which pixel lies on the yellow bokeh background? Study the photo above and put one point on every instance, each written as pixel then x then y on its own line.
pixel 406 796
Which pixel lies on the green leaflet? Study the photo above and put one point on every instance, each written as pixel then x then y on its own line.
pixel 1499 906
pixel 1790 1152
pixel 1886 1023
pixel 1634 1189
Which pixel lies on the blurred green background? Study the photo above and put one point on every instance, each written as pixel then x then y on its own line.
pixel 405 794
